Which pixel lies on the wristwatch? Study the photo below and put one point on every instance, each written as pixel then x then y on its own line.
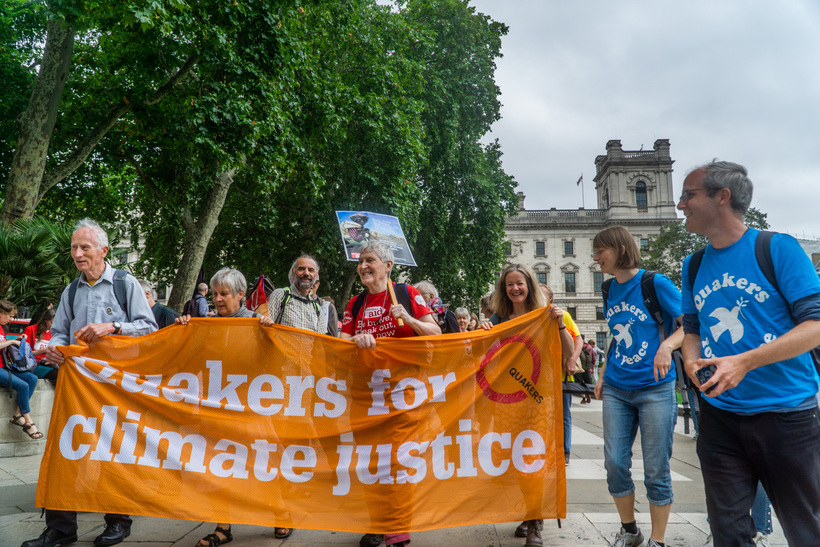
pixel 117 327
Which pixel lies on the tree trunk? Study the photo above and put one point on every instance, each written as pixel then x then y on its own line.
pixel 37 125
pixel 198 235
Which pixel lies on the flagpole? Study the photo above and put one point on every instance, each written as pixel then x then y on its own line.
pixel 581 184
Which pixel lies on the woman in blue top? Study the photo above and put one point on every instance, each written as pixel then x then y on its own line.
pixel 637 385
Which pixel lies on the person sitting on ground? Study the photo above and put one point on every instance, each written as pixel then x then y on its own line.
pixel 228 288
pixel 38 336
pixel 23 383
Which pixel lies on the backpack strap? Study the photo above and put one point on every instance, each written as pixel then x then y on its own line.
pixel 763 254
pixel 605 291
pixel 121 292
pixel 357 307
pixel 694 266
pixel 650 301
pixel 403 297
pixel 282 305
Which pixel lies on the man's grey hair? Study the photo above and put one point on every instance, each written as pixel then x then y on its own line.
pixel 202 287
pixel 147 287
pixel 725 174
pixel 99 234
pixel 425 287
pixel 231 279
pixel 292 275
pixel 462 312
pixel 380 249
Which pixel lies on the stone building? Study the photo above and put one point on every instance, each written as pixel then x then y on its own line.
pixel 634 189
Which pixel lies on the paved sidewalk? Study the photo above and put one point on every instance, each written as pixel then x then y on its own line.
pixel 591 519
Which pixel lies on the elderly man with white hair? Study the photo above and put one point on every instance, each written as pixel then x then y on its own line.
pixel 101 302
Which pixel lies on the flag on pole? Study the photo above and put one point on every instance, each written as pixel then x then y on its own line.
pixel 580 180
pixel 257 296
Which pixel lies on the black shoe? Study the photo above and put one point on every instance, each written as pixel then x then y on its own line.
pixel 371 540
pixel 566 459
pixel 113 534
pixel 51 538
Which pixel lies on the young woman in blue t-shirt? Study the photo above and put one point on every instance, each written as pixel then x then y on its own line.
pixel 637 385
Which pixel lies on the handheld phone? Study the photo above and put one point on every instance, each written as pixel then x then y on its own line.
pixel 704 374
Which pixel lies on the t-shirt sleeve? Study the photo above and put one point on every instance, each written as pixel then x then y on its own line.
pixel 420 308
pixel 31 334
pixel 796 276
pixel 571 326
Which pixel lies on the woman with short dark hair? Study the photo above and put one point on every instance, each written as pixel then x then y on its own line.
pixel 637 384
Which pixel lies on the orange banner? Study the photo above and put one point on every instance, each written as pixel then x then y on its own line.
pixel 223 420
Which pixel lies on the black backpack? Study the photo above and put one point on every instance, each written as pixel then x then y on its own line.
pixel 763 255
pixel 191 308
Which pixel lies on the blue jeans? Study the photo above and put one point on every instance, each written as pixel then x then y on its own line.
pixel 654 409
pixel 567 422
pixel 762 511
pixel 23 383
pixel 780 450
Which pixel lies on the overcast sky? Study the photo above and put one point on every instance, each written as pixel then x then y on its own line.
pixel 737 79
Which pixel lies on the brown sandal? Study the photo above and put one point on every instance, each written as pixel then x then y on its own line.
pixel 214 540
pixel 282 533
pixel 19 421
pixel 37 435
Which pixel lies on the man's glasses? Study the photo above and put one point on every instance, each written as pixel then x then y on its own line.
pixel 686 195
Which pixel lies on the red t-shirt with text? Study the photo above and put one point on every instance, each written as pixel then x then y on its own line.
pixel 31 333
pixel 374 316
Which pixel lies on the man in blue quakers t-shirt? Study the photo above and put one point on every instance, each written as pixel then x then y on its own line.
pixel 760 421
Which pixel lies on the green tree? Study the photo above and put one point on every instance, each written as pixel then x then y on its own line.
pixel 666 251
pixel 110 57
pixel 466 194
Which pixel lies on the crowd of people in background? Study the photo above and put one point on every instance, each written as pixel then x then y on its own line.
pixel 759 431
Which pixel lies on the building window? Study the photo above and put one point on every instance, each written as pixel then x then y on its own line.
pixel 161 289
pixel 599 313
pixel 600 340
pixel 644 243
pixel 569 248
pixel 507 248
pixel 569 282
pixel 540 248
pixel 542 277
pixel 123 258
pixel 573 312
pixel 597 281
pixel 640 194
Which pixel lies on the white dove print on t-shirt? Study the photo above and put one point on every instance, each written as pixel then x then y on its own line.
pixel 622 334
pixel 728 320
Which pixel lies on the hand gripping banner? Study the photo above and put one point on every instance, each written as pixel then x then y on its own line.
pixel 223 420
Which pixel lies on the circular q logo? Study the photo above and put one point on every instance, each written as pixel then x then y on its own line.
pixel 521 394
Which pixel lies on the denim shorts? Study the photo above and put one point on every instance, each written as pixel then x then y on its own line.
pixel 654 409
